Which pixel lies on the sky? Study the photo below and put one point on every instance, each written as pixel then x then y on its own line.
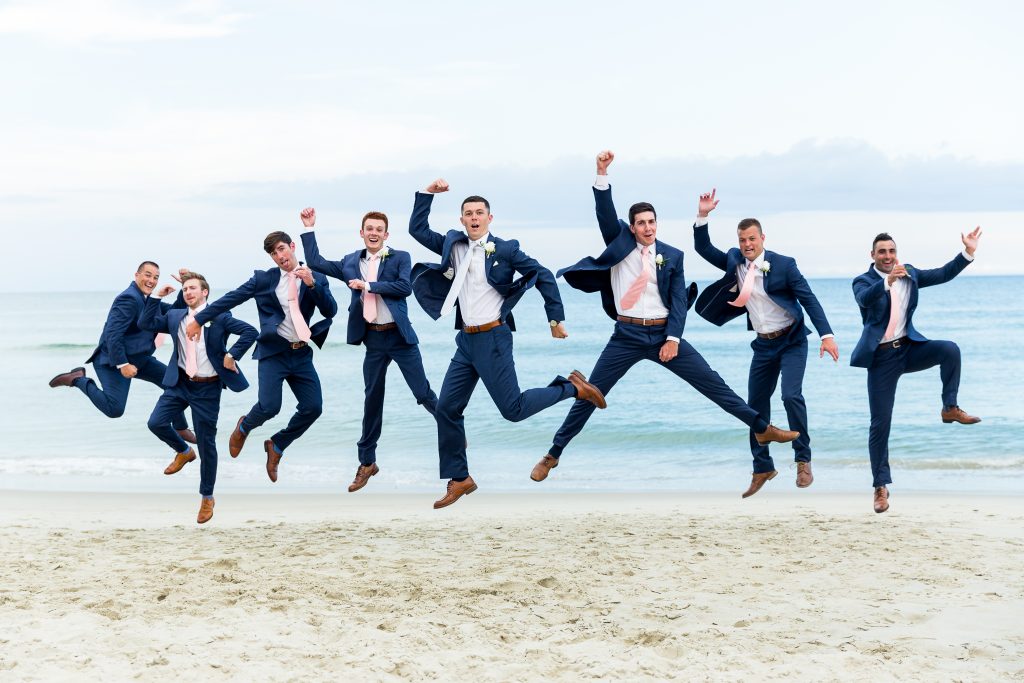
pixel 184 132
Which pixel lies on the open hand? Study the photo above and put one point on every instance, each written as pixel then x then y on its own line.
pixel 164 291
pixel 182 272
pixel 970 240
pixel 706 204
pixel 830 347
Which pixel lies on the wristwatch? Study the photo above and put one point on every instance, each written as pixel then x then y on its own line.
pixel 553 323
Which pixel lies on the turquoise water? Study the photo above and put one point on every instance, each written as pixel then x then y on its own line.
pixel 657 433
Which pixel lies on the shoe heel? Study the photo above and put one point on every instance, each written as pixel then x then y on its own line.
pixel 948 422
pixel 773 475
pixel 470 489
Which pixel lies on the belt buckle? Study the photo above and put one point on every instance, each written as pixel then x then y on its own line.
pixel 896 343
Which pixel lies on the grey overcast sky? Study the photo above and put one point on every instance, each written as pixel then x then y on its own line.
pixel 184 131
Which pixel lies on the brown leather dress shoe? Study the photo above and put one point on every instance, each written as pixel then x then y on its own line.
pixel 757 480
pixel 456 490
pixel 205 510
pixel 363 474
pixel 273 459
pixel 66 379
pixel 544 467
pixel 180 460
pixel 804 476
pixel 237 439
pixel 881 499
pixel 956 414
pixel 187 435
pixel 775 434
pixel 585 391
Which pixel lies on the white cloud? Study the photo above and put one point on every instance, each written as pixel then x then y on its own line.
pixel 110 21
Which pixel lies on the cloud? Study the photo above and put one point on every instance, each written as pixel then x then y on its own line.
pixel 111 21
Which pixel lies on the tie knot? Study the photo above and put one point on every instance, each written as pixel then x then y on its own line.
pixel 644 251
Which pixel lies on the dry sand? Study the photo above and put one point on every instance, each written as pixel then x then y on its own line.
pixel 506 587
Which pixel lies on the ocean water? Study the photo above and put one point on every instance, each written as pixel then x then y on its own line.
pixel 656 434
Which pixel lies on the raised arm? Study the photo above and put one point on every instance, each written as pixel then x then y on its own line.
pixel 938 276
pixel 701 232
pixel 607 219
pixel 154 316
pixel 419 224
pixel 309 247
pixel 225 303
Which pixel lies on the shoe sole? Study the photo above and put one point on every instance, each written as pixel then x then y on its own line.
pixel 353 490
pixel 750 493
pixel 53 381
pixel 599 401
pixel 466 493
pixel 233 452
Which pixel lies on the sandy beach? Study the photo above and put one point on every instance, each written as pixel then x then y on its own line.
pixel 510 587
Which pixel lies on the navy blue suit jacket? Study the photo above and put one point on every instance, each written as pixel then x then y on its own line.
pixel 874 302
pixel 215 335
pixel 393 285
pixel 122 339
pixel 594 274
pixel 431 287
pixel 262 286
pixel 783 283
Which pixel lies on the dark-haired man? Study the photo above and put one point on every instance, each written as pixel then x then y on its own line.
pixel 475 278
pixel 125 351
pixel 889 346
pixel 770 289
pixel 644 291
pixel 286 298
pixel 198 372
pixel 378 318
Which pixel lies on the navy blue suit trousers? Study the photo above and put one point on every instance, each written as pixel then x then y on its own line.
pixel 204 399
pixel 294 366
pixel 110 396
pixel 784 356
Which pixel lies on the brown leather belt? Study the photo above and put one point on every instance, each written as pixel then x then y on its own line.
pixel 776 334
pixel 299 345
pixel 486 327
pixel 202 380
pixel 646 322
pixel 382 327
pixel 894 344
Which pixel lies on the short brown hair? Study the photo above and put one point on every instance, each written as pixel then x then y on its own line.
pixel 374 215
pixel 882 237
pixel 146 263
pixel 203 284
pixel 750 223
pixel 273 238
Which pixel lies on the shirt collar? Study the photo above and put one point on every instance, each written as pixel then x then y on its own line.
pixel 482 241
pixel 880 273
pixel 381 253
pixel 758 262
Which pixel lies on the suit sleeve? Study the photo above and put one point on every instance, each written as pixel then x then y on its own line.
pixel 866 292
pixel 121 316
pixel 808 300
pixel 546 284
pixel 419 224
pixel 680 298
pixel 938 276
pixel 317 262
pixel 709 252
pixel 154 316
pixel 607 219
pixel 400 287
pixel 246 335
pixel 228 301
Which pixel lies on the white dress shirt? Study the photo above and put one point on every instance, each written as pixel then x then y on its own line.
pixel 765 315
pixel 287 328
pixel 902 287
pixel 204 366
pixel 383 313
pixel 479 303
pixel 624 274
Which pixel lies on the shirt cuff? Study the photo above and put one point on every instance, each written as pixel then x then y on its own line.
pixel 601 183
pixel 671 338
pixel 699 221
pixel 367 287
pixel 966 255
pixel 827 336
pixel 122 365
pixel 885 283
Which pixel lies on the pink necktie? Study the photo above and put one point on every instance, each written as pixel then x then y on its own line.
pixel 191 359
pixel 632 294
pixel 369 298
pixel 746 289
pixel 894 312
pixel 158 340
pixel 301 328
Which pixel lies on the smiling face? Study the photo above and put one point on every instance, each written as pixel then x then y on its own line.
pixel 147 277
pixel 476 219
pixel 374 233
pixel 284 256
pixel 884 255
pixel 645 228
pixel 751 242
pixel 193 293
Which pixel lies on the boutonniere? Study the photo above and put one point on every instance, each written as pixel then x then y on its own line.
pixel 489 248
pixel 765 267
pixel 450 273
pixel 493 263
pixel 384 253
pixel 659 260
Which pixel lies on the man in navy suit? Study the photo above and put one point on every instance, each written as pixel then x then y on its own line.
pixel 195 377
pixel 286 298
pixel 769 288
pixel 378 317
pixel 643 290
pixel 889 346
pixel 475 278
pixel 125 351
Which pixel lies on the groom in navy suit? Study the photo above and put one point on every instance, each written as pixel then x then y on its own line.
pixel 195 377
pixel 644 291
pixel 378 318
pixel 286 298
pixel 769 288
pixel 125 351
pixel 475 279
pixel 889 346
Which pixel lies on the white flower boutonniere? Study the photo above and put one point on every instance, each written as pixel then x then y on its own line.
pixel 489 248
pixel 659 260
pixel 384 253
pixel 765 267
pixel 450 273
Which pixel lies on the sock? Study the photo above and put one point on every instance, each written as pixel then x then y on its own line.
pixel 459 480
pixel 276 449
